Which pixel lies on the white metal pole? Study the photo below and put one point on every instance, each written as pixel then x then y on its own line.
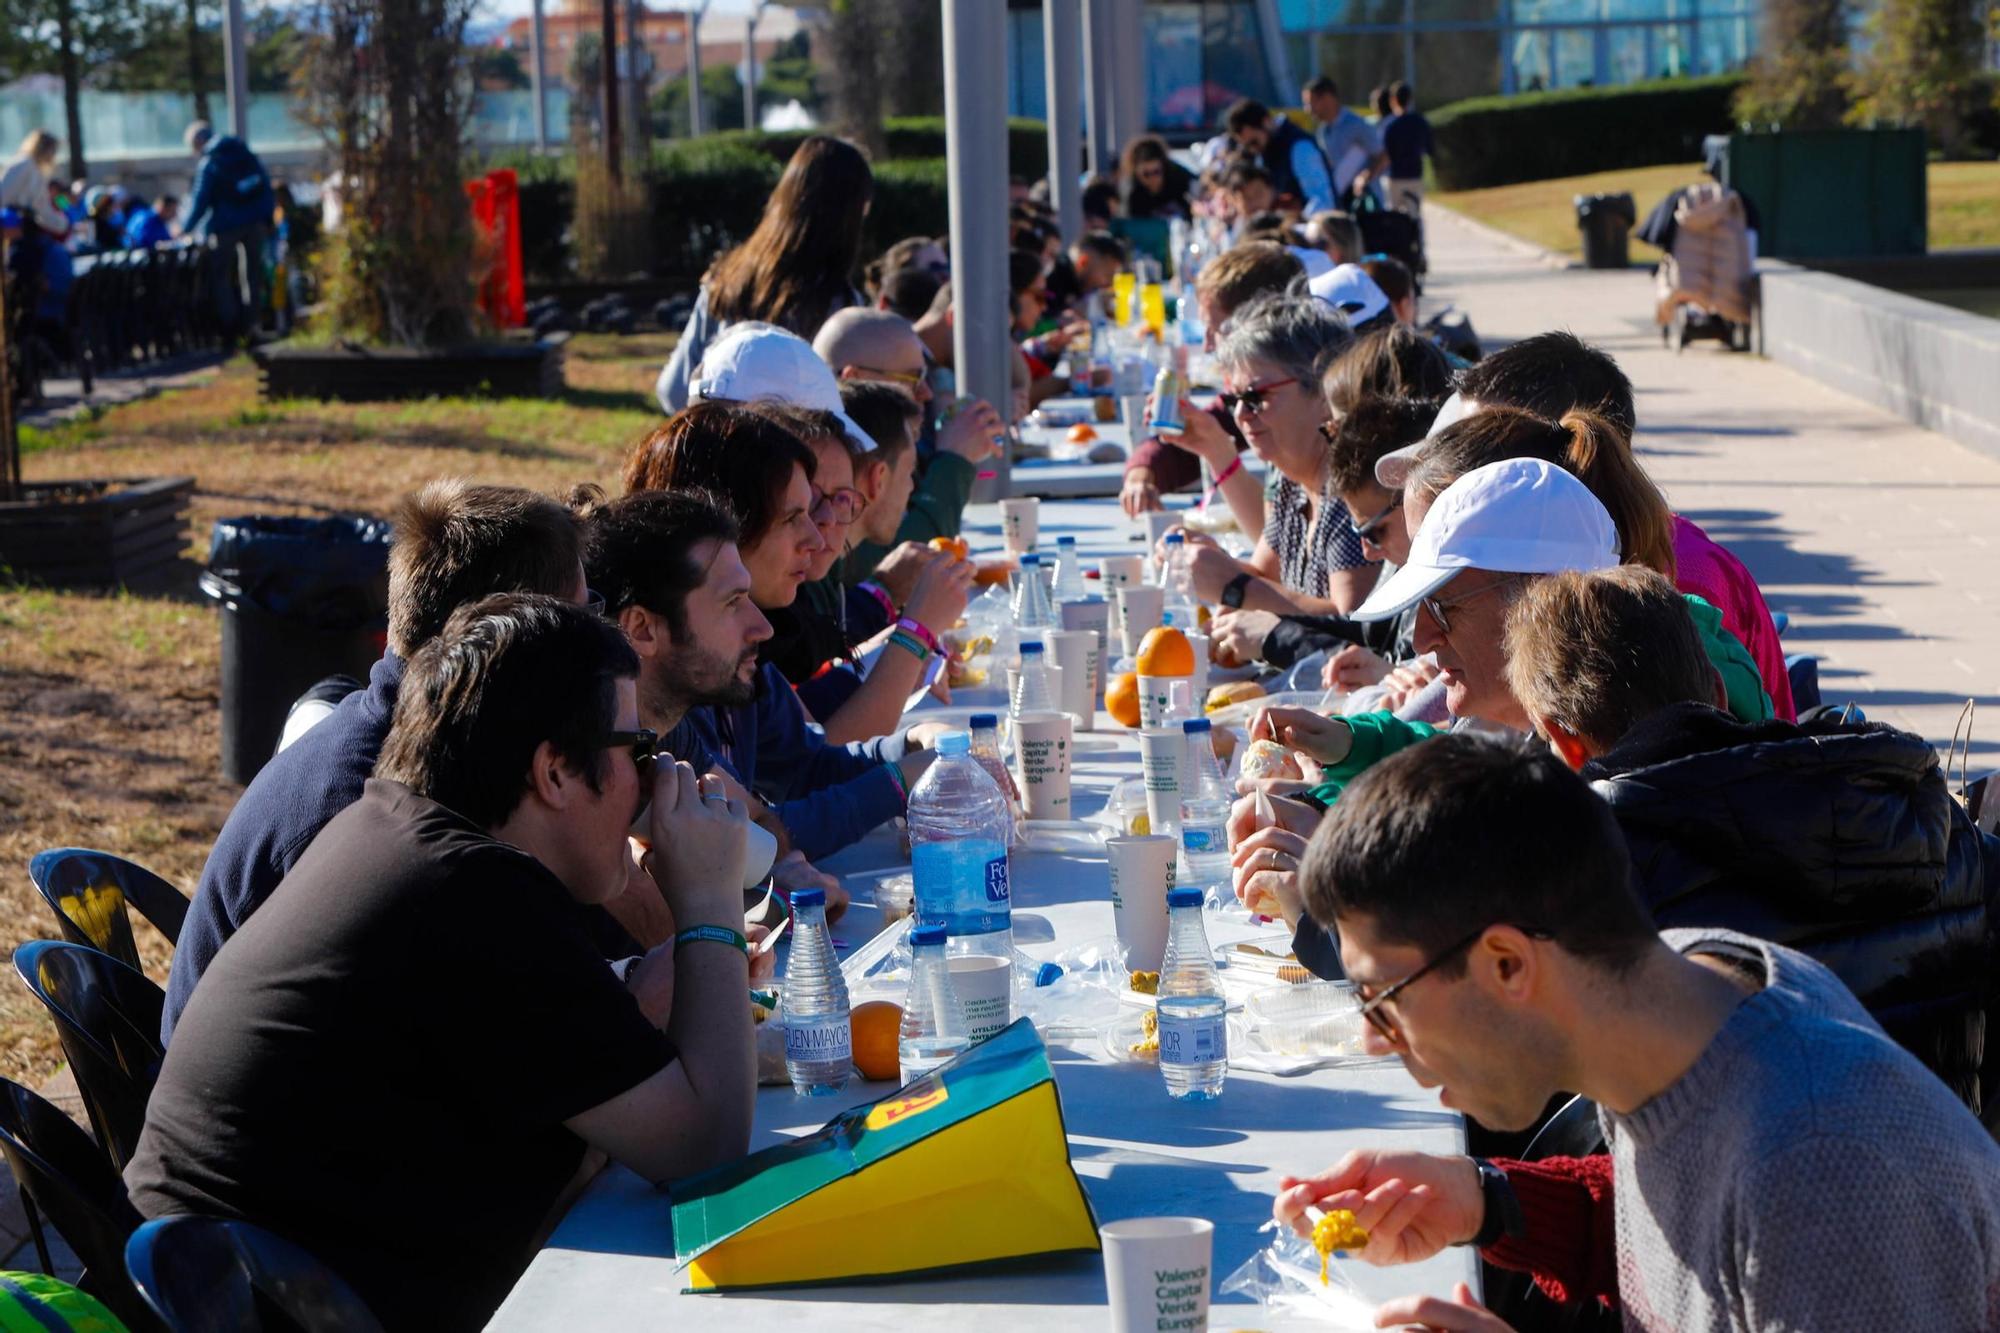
pixel 750 67
pixel 537 77
pixel 1127 48
pixel 236 65
pixel 694 70
pixel 1098 41
pixel 1062 42
pixel 975 114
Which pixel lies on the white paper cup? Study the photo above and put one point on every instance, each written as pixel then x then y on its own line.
pixel 1156 1272
pixel 1162 762
pixel 1094 614
pixel 1132 407
pixel 1199 642
pixel 1021 523
pixel 1115 572
pixel 1142 870
pixel 1158 521
pixel 1158 696
pixel 984 987
pixel 1042 744
pixel 1139 609
pixel 1077 652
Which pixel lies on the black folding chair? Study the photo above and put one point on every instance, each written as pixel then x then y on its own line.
pixel 108 1016
pixel 64 1178
pixel 90 892
pixel 211 1275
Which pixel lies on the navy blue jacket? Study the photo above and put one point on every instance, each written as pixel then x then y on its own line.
pixel 280 813
pixel 231 189
pixel 826 795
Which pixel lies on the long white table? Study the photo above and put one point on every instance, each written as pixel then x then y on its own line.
pixel 610 1263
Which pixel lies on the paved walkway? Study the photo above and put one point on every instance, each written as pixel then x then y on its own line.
pixel 1881 540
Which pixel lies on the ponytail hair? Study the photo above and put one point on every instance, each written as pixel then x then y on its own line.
pixel 1586 445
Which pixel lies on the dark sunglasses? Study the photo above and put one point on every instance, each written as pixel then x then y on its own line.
pixel 1254 398
pixel 1366 531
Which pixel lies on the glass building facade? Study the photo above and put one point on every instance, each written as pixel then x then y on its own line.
pixel 1203 54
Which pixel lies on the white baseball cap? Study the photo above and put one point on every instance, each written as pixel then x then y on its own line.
pixel 1392 469
pixel 753 360
pixel 1517 516
pixel 1349 289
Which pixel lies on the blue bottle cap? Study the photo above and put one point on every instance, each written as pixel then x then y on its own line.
pixel 1066 540
pixel 981 721
pixel 1176 539
pixel 1031 646
pixel 1178 898
pixel 1047 974
pixel 808 898
pixel 954 742
pixel 1194 726
pixel 923 936
pixel 1030 559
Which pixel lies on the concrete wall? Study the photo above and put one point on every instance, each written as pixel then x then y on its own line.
pixel 1926 362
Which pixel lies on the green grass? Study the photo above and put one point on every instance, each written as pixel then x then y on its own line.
pixel 1964 204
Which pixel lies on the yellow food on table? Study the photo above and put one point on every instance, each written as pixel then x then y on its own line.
pixel 1235 692
pixel 1141 827
pixel 1165 651
pixel 877 1029
pixel 1148 1045
pixel 1336 1231
pixel 1121 699
pixel 1146 983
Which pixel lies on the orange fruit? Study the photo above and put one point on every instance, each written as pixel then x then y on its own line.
pixel 1121 698
pixel 953 546
pixel 1165 651
pixel 877 1028
pixel 993 571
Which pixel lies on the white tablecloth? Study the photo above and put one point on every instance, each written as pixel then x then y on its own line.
pixel 610 1262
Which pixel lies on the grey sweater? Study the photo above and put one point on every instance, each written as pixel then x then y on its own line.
pixel 1805 1174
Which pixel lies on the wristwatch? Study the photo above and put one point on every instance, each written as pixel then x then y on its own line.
pixel 1503 1210
pixel 1232 591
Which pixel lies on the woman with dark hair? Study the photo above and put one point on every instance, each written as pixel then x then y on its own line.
pixel 797 267
pixel 825 795
pixel 1152 184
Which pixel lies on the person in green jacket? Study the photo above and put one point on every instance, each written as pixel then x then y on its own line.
pixel 878 346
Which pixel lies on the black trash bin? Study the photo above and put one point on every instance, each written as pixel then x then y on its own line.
pixel 302 598
pixel 1606 221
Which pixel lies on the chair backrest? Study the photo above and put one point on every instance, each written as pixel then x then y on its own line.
pixel 66 1177
pixel 211 1275
pixel 108 1016
pixel 90 892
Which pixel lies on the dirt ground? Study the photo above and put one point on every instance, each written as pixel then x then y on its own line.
pixel 110 730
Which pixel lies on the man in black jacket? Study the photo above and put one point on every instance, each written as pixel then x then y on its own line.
pixel 1838 839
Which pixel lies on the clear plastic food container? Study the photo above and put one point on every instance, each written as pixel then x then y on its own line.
pixel 1318 1018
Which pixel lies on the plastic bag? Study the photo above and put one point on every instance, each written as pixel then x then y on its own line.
pixel 1283 1278
pixel 1076 992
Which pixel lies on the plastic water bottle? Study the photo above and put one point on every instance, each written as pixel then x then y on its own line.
pixel 1033 610
pixel 933 1025
pixel 1178 607
pixel 1070 586
pixel 819 1045
pixel 1031 686
pixel 986 749
pixel 1194 1032
pixel 1205 802
pixel 959 827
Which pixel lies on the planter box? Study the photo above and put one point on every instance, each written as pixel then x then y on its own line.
pixel 515 368
pixel 95 532
pixel 1833 194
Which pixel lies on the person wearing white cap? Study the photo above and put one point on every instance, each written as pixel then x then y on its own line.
pixel 753 361
pixel 1349 289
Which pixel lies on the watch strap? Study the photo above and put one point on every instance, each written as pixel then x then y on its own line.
pixel 1503 1211
pixel 1232 591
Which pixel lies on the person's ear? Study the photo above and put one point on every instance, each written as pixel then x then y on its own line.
pixel 550 778
pixel 1571 748
pixel 646 632
pixel 1506 962
pixel 873 478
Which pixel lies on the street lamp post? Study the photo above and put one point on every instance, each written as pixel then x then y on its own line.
pixel 975 118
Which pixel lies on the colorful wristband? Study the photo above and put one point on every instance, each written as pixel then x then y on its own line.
pixel 910 646
pixel 712 935
pixel 880 594
pixel 1235 466
pixel 919 631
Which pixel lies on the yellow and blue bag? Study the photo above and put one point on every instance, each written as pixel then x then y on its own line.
pixel 968 1165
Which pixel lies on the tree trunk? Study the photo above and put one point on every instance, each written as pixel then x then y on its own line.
pixel 197 76
pixel 72 77
pixel 854 32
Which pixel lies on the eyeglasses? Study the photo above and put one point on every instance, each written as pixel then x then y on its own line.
pixel 593 601
pixel 1253 399
pixel 837 506
pixel 909 377
pixel 1371 1006
pixel 644 743
pixel 1366 531
pixel 1437 605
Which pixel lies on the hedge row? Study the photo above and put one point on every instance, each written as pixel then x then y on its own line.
pixel 1540 136
pixel 707 196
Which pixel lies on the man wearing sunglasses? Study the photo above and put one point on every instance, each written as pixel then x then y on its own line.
pixel 409 1048
pixel 1776 1161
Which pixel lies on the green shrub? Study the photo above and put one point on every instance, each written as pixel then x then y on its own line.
pixel 1540 136
pixel 707 196
pixel 911 199
pixel 908 138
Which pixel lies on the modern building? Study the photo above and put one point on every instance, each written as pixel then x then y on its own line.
pixel 1200 55
pixel 664 31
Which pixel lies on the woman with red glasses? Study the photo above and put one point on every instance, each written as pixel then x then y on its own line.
pixel 1308 557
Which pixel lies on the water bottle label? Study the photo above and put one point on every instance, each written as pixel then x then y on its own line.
pixel 996 882
pixel 962 886
pixel 1201 839
pixel 1192 1040
pixel 814 1042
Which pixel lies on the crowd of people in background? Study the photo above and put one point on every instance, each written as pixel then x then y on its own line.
pixel 1569 725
